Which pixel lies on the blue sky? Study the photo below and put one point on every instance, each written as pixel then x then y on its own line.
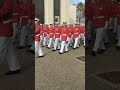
pixel 76 1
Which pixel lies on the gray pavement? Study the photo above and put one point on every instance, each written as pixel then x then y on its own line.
pixel 60 72
pixel 24 80
pixel 109 61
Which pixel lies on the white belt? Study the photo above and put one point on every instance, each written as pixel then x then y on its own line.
pixel 15 13
pixel 64 34
pixel 51 33
pixel 99 17
pixel 38 35
pixel 57 33
pixel 24 16
pixel 7 21
pixel 76 33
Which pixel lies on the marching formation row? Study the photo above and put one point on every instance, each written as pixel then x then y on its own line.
pixel 102 17
pixel 58 37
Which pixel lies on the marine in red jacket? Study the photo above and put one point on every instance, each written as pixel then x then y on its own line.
pixel 76 31
pixel 37 32
pixel 64 33
pixel 24 13
pixel 100 24
pixel 64 36
pixel 76 36
pixel 88 11
pixel 24 19
pixel 100 16
pixel 38 48
pixel 51 36
pixel 16 14
pixel 71 30
pixel 5 19
pixel 57 31
pixel 51 31
pixel 31 7
pixel 57 34
pixel 6 32
pixel 118 22
pixel 45 34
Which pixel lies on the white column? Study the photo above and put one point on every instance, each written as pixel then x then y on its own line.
pixel 72 13
pixel 64 11
pixel 49 11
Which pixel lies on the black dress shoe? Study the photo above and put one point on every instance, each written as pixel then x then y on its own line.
pixel 30 51
pixel 116 40
pixel 66 51
pixel 118 47
pixel 115 33
pixel 93 53
pixel 53 50
pixel 48 47
pixel 106 43
pixel 110 30
pixel 86 48
pixel 60 53
pixel 89 40
pixel 13 72
pixel 74 48
pixel 40 56
pixel 28 45
pixel 20 47
pixel 101 51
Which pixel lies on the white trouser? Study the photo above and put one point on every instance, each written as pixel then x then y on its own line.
pixel 44 41
pixel 67 44
pixel 41 39
pixel 69 41
pixel 72 40
pixel 63 47
pixel 50 44
pixel 99 39
pixel 15 31
pixel 48 39
pixel 110 23
pixel 29 35
pixel 115 25
pixel 57 44
pixel 89 29
pixel 23 35
pixel 83 37
pixel 38 49
pixel 33 46
pixel 76 43
pixel 105 36
pixel 84 41
pixel 118 31
pixel 79 41
pixel 7 52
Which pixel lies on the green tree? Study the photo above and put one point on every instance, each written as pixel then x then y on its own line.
pixel 81 7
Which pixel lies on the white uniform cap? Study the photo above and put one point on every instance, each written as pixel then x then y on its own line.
pixel 36 19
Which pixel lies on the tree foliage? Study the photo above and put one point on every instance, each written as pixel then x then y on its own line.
pixel 81 7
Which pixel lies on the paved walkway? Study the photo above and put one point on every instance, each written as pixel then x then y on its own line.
pixel 24 80
pixel 102 63
pixel 60 72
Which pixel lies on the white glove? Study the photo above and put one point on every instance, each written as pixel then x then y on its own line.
pixel 67 38
pixel 106 25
